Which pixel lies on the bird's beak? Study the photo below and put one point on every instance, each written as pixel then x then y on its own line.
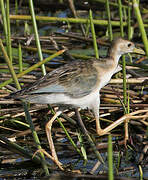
pixel 138 51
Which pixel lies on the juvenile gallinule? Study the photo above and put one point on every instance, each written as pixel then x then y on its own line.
pixel 77 84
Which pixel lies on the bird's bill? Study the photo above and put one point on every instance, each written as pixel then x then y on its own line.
pixel 138 51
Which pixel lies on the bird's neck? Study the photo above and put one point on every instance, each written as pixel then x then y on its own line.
pixel 115 56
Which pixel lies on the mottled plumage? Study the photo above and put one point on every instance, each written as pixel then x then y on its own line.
pixel 75 79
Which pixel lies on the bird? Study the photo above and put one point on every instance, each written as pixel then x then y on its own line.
pixel 77 84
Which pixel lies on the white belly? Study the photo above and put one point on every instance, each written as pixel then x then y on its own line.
pixel 83 102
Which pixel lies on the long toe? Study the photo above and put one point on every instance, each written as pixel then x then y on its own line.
pixel 54 159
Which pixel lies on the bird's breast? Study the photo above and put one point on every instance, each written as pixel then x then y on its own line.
pixel 105 78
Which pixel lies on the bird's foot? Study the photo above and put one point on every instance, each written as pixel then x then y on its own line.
pixel 54 159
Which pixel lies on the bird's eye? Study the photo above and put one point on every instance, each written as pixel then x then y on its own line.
pixel 129 45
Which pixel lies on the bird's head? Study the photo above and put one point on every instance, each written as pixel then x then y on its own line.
pixel 122 46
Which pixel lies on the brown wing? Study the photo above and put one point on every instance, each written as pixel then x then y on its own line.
pixel 76 79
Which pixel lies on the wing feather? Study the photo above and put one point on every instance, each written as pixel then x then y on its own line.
pixel 75 79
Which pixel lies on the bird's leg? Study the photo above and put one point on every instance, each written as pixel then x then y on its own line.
pixel 95 108
pixel 100 131
pixel 84 130
pixel 80 122
pixel 117 122
pixel 49 136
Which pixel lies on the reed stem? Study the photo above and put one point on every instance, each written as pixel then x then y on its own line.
pixel 93 35
pixel 36 35
pixel 141 25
